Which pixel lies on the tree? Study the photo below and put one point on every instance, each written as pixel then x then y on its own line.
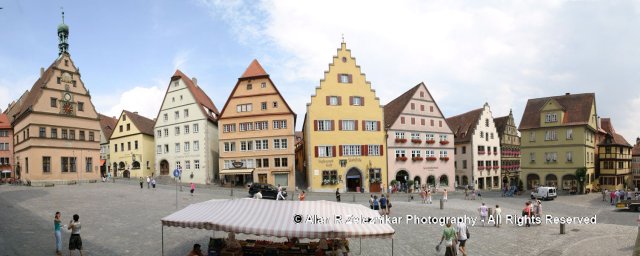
pixel 581 175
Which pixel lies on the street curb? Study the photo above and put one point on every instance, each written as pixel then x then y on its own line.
pixel 636 251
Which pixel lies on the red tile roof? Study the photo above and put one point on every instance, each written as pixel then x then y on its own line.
pixel 254 69
pixel 463 125
pixel 611 138
pixel 145 125
pixel 25 103
pixel 201 97
pixel 577 110
pixel 394 108
pixel 4 122
pixel 107 124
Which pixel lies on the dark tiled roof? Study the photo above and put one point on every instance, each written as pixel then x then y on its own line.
pixel 201 97
pixel 394 108
pixel 145 125
pixel 25 104
pixel 463 125
pixel 577 110
pixel 501 124
pixel 611 138
pixel 254 69
pixel 107 124
pixel 4 122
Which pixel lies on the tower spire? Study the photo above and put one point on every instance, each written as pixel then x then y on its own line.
pixel 63 36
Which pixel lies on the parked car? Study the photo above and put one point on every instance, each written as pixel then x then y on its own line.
pixel 267 190
pixel 544 193
pixel 633 205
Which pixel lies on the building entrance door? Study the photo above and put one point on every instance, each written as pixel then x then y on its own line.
pixel 354 179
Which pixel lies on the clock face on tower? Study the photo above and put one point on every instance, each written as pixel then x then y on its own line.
pixel 67 97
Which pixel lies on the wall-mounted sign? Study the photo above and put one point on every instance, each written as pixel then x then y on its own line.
pixel 343 163
pixel 237 164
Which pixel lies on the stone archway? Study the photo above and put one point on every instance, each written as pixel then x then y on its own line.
pixel 126 174
pixel 164 167
pixel 135 165
pixel 569 181
pixel 443 181
pixel 354 179
pixel 465 180
pixel 458 180
pixel 431 180
pixel 417 182
pixel 533 180
pixel 551 180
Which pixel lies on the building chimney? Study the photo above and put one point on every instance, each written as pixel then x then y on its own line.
pixel 567 94
pixel 41 72
pixel 195 81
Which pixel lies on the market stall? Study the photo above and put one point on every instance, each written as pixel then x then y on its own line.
pixel 287 219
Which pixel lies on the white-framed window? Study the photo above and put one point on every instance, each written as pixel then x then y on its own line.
pixel 324 125
pixel 176 115
pixel 280 143
pixel 177 147
pixel 373 150
pixel 399 135
pixel 227 164
pixel 229 146
pixel 166 132
pixel 249 163
pixel 159 133
pixel 400 153
pixel 551 157
pixel 262 144
pixel 187 164
pixel 279 124
pixel 348 125
pixel 244 107
pixel 165 117
pixel 443 137
pixel 325 151
pixel 178 165
pixel 196 164
pixel 430 153
pixel 186 111
pixel 262 125
pixel 159 149
pixel 344 78
pixel 351 150
pixel 245 145
pixel 415 136
pixel 569 134
pixel 166 148
pixel 246 126
pixel 550 135
pixel 333 100
pixel 187 146
pixel 196 145
pixel 356 101
pixel 415 153
pixel 186 129
pixel 532 136
pixel 371 126
pixel 532 157
pixel 551 118
pixel 263 105
pixel 177 130
pixel 430 136
pixel 569 156
pixel 229 128
pixel 444 153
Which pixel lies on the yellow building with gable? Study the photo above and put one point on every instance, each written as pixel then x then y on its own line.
pixel 343 132
pixel 132 146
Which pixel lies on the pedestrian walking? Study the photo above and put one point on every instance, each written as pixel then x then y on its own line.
pixel 376 203
pixel 338 194
pixel 466 193
pixel 371 202
pixel 388 204
pixel 445 194
pixel 75 241
pixel 141 182
pixel 57 224
pixel 604 194
pixel 423 195
pixel 498 216
pixel 484 211
pixel 463 235
pixel 429 196
pixel 448 235
pixel 526 213
pixel 193 188
pixel 612 195
pixel 383 205
pixel 301 196
pixel 148 182
pixel 280 195
pixel 153 183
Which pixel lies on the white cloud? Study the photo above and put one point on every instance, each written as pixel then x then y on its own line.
pixel 145 100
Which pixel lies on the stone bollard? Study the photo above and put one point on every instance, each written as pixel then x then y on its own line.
pixel 293 195
pixel 354 197
pixel 441 203
pixel 231 192
pixel 562 229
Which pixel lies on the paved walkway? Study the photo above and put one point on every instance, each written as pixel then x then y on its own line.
pixel 122 219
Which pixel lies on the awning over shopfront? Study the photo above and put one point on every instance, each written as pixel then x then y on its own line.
pixel 278 219
pixel 236 171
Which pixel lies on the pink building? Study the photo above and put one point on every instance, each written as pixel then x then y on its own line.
pixel 6 147
pixel 419 141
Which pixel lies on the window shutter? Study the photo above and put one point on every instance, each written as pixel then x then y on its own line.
pixel 339 77
pixel 365 150
pixel 362 101
pixel 382 150
pixel 333 125
pixel 378 125
pixel 350 78
pixel 355 122
pixel 364 125
pixel 333 148
pixel 339 125
pixel 340 150
pixel 328 102
pixel 339 100
pixel 316 151
pixel 315 125
pixel 350 100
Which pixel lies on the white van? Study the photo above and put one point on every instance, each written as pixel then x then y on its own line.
pixel 544 193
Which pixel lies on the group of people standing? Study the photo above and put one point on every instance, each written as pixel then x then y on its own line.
pixel 382 204
pixel 151 182
pixel 427 195
pixel 619 195
pixel 75 242
pixel 531 210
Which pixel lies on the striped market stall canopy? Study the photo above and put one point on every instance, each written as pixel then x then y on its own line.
pixel 301 219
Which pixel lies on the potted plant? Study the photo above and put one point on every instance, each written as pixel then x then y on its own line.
pixel 444 158
pixel 410 185
pixel 401 158
pixel 431 141
pixel 417 158
pixel 416 141
pixel 334 181
pixel 444 142
pixel 401 140
pixel 393 182
pixel 432 158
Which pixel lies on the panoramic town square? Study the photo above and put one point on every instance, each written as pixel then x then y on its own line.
pixel 280 127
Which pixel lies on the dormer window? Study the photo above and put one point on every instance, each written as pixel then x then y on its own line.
pixel 551 118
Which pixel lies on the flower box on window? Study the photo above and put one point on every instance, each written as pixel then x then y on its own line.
pixel 399 140
pixel 444 142
pixel 417 158
pixel 444 158
pixel 416 141
pixel 401 158
pixel 432 158
pixel 495 152
pixel 481 152
pixel 496 167
pixel 374 180
pixel 431 141
pixel 481 168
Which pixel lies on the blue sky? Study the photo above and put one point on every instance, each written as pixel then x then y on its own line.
pixel 467 52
